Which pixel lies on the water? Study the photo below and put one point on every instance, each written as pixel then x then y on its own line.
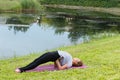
pixel 22 34
pixel 36 39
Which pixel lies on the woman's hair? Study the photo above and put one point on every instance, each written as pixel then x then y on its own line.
pixel 79 63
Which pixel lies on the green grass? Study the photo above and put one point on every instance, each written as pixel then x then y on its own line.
pixel 9 4
pixel 30 4
pixel 102 56
pixel 35 4
pixel 94 3
pixel 18 5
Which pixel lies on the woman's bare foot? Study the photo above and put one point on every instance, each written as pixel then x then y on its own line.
pixel 17 70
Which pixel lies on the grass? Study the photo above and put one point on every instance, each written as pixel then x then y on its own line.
pixel 9 4
pixel 30 4
pixel 18 5
pixel 102 57
pixel 93 3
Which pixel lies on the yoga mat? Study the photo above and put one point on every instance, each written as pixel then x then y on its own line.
pixel 49 68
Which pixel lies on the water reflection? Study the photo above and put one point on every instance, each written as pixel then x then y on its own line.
pixel 18 28
pixel 79 26
pixel 76 26
pixel 33 32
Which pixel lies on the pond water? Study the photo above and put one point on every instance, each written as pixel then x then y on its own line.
pixel 22 34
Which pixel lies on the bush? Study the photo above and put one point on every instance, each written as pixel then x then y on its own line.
pixel 27 4
pixel 31 5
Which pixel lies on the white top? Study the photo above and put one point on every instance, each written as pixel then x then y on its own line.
pixel 65 58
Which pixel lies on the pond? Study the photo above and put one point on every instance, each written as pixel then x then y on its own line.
pixel 22 34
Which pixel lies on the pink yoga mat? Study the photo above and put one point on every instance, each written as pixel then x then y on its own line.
pixel 49 68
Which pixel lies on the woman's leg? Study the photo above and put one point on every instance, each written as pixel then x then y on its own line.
pixel 49 56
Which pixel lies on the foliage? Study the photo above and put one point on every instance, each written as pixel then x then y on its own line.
pixel 101 56
pixel 30 4
pixel 9 5
pixel 18 5
pixel 94 3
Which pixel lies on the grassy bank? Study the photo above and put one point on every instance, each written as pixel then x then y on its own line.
pixel 101 57
pixel 19 5
pixel 9 4
pixel 92 3
pixel 16 5
pixel 113 11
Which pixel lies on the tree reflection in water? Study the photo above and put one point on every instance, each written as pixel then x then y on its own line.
pixel 81 26
pixel 75 25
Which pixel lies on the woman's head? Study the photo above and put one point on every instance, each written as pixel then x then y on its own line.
pixel 77 62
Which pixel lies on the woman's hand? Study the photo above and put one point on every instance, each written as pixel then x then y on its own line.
pixel 57 62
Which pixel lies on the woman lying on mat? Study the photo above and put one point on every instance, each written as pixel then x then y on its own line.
pixel 61 59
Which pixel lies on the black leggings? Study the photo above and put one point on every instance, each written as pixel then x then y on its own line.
pixel 49 56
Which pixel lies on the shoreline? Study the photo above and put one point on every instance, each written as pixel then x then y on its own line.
pixel 98 55
pixel 64 47
pixel 114 11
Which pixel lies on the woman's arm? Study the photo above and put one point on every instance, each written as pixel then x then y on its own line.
pixel 59 66
pixel 55 65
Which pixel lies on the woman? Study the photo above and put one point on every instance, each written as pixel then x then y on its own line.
pixel 62 60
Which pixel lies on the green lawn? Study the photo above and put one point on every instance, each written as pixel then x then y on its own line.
pixel 101 56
